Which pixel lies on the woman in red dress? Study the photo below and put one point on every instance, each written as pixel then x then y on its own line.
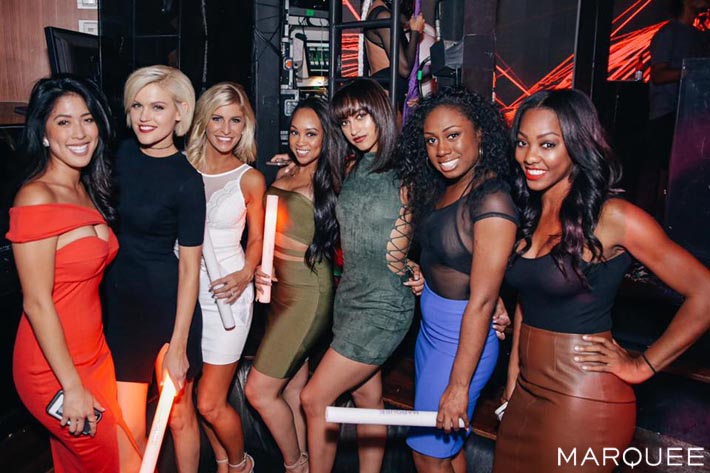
pixel 61 244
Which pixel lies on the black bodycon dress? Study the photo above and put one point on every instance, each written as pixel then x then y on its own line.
pixel 160 201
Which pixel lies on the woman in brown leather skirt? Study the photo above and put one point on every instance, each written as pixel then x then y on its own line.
pixel 569 382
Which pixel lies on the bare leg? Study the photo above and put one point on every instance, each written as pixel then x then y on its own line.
pixel 425 463
pixel 459 462
pixel 222 423
pixel 129 457
pixel 132 398
pixel 335 375
pixel 185 431
pixel 292 396
pixel 371 439
pixel 265 395
pixel 220 454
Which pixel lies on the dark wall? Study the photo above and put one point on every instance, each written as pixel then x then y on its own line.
pixel 209 40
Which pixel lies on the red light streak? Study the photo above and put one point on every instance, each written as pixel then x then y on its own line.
pixel 624 53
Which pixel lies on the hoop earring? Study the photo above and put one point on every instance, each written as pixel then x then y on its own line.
pixel 45 142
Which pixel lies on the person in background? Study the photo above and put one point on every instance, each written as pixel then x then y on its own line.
pixel 302 293
pixel 676 40
pixel 151 295
pixel 221 146
pixel 569 383
pixel 62 242
pixel 377 45
pixel 455 150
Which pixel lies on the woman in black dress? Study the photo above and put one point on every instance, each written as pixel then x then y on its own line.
pixel 568 380
pixel 151 295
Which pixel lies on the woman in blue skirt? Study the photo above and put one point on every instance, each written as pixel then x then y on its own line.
pixel 455 148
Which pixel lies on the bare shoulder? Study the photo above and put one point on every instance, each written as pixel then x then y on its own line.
pixel 35 193
pixel 253 178
pixel 623 224
pixel 253 184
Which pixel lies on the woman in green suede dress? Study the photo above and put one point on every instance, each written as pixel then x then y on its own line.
pixel 374 304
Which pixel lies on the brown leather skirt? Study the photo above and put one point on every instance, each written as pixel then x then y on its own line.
pixel 557 408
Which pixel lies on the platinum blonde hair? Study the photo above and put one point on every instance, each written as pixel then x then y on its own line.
pixel 173 81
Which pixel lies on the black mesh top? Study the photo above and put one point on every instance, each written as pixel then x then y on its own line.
pixel 557 299
pixel 446 237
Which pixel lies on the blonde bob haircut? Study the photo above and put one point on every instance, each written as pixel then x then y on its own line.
pixel 173 81
pixel 219 95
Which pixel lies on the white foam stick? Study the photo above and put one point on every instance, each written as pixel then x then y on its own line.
pixel 214 273
pixel 354 415
pixel 267 253
pixel 157 430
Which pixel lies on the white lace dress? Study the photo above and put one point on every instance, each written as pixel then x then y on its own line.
pixel 226 218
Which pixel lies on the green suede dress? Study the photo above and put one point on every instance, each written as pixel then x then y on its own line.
pixel 301 300
pixel 373 309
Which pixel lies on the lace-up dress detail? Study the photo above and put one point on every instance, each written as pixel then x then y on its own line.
pixel 373 309
pixel 226 219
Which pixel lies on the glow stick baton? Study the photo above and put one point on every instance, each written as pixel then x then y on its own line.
pixel 354 415
pixel 267 253
pixel 214 273
pixel 157 430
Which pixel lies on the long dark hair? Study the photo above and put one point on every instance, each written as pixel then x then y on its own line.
pixel 96 176
pixel 424 184
pixel 369 96
pixel 325 237
pixel 595 172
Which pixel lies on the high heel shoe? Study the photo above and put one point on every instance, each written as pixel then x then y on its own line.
pixel 240 466
pixel 302 460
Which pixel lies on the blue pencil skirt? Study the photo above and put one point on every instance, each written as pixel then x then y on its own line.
pixel 433 359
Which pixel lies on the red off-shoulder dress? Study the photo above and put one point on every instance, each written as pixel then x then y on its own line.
pixel 79 267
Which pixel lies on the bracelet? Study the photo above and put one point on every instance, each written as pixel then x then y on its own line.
pixel 643 355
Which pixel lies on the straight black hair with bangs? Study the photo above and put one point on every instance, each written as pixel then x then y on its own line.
pixel 363 94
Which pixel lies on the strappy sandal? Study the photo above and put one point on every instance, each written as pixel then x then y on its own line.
pixel 302 460
pixel 240 466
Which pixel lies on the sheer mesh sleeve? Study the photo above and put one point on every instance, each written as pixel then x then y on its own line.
pixel 495 204
pixel 447 238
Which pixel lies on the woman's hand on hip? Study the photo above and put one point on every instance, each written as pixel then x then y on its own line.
pixel 600 354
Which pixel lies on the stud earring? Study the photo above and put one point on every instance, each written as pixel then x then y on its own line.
pixel 45 142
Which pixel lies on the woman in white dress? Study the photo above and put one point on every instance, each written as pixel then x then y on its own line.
pixel 221 145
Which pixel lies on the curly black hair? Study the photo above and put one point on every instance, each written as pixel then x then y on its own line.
pixel 424 184
pixel 595 173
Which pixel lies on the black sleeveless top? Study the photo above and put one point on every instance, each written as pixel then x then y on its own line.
pixel 446 237
pixel 558 300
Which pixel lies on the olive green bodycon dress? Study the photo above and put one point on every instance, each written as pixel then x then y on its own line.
pixel 301 300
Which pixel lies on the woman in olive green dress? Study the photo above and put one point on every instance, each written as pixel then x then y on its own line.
pixel 302 294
